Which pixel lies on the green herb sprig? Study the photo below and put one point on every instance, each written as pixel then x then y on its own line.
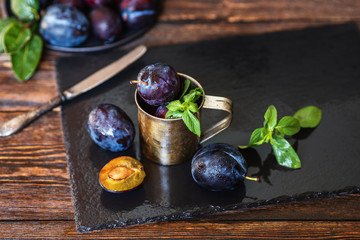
pixel 274 132
pixel 185 107
pixel 19 38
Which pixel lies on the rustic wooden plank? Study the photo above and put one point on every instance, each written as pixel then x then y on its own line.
pixel 188 230
pixel 234 11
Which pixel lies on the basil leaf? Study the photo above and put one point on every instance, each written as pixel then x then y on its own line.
pixel 285 153
pixel 193 107
pixel 25 61
pixel 25 10
pixel 173 114
pixel 270 118
pixel 193 95
pixel 288 126
pixel 191 122
pixel 190 96
pixel 175 105
pixel 15 37
pixel 186 87
pixel 256 139
pixel 309 117
pixel 5 23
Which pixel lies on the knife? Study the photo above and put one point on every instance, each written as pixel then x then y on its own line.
pixel 90 82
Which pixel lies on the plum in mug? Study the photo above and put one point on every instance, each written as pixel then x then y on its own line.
pixel 169 141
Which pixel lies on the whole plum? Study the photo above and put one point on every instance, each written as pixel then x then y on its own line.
pixel 218 167
pixel 106 23
pixel 158 84
pixel 64 26
pixel 137 13
pixel 111 128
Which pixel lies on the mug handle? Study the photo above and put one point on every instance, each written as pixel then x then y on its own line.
pixel 217 103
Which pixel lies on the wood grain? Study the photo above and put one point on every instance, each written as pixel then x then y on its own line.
pixel 189 230
pixel 35 198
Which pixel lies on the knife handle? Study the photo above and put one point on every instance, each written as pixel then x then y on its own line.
pixel 22 120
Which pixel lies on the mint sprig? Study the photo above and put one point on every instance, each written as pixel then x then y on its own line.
pixel 274 132
pixel 185 107
pixel 19 38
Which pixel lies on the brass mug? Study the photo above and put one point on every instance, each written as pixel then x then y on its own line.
pixel 169 141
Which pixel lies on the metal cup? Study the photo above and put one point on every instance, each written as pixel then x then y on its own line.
pixel 169 141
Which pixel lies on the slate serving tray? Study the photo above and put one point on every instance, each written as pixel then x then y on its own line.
pixel 318 66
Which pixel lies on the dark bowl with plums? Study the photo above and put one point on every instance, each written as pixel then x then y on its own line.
pixel 92 25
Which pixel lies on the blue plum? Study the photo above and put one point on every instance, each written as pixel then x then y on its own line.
pixel 158 84
pixel 161 111
pixel 137 13
pixel 111 128
pixel 106 23
pixel 64 26
pixel 218 167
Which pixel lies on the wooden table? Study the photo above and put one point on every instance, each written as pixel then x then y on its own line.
pixel 35 199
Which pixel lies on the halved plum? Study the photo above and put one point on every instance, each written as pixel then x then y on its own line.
pixel 122 174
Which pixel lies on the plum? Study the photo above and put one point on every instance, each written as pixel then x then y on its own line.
pixel 121 174
pixel 64 26
pixel 111 128
pixel 106 23
pixel 161 111
pixel 137 13
pixel 158 84
pixel 218 166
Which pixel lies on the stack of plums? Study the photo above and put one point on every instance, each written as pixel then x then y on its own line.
pixel 69 23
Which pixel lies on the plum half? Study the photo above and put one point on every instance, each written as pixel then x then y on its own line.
pixel 121 174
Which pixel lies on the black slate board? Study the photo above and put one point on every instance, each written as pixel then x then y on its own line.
pixel 318 66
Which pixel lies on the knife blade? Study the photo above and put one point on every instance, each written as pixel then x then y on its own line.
pixel 104 74
pixel 14 125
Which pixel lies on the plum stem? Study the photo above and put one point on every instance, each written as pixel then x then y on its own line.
pixel 252 178
pixel 142 82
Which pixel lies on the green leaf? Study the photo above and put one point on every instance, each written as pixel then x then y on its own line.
pixel 193 95
pixel 270 118
pixel 15 37
pixel 191 122
pixel 186 87
pixel 175 105
pixel 256 139
pixel 288 126
pixel 25 61
pixel 4 25
pixel 173 114
pixel 285 153
pixel 309 117
pixel 193 107
pixel 25 10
